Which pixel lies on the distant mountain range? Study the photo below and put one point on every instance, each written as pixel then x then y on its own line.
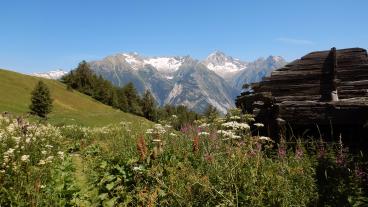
pixel 54 74
pixel 216 80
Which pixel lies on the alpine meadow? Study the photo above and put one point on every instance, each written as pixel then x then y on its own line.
pixel 183 103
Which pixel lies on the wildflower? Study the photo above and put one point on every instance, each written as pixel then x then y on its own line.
pixel 142 148
pixel 10 151
pixel 25 158
pixel 49 159
pixel 149 131
pixel 236 125
pixel 168 126
pixel 172 134
pixel 41 162
pixel 195 144
pixel 43 152
pixel 43 186
pixel 203 133
pixel 2 171
pixel 49 146
pixel 204 125
pixel 235 117
pixel 265 138
pixel 282 150
pixel 258 125
pixel 299 152
pixel 61 154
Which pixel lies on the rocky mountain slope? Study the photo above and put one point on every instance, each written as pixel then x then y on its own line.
pixel 216 80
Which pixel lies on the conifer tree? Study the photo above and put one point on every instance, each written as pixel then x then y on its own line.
pixel 149 106
pixel 122 100
pixel 41 102
pixel 133 99
pixel 211 112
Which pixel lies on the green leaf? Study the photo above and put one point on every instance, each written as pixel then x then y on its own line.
pixel 110 203
pixel 103 196
pixel 110 186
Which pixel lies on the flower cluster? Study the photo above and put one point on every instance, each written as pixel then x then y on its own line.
pixel 236 126
pixel 25 144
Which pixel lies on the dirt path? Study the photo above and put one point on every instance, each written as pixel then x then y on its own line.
pixel 81 178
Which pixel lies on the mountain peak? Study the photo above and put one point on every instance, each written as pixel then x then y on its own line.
pixel 225 66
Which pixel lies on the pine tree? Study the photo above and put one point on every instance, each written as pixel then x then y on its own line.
pixel 122 100
pixel 41 102
pixel 149 106
pixel 211 112
pixel 133 99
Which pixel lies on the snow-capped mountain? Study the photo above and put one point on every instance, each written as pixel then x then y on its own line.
pixel 176 80
pixel 55 74
pixel 223 65
pixel 172 80
pixel 217 80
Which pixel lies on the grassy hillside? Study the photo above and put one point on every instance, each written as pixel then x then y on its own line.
pixel 70 107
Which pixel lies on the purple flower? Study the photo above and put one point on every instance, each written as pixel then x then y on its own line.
pixel 299 152
pixel 281 151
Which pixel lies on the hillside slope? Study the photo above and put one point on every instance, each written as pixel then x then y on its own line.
pixel 70 107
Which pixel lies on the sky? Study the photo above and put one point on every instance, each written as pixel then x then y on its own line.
pixel 43 35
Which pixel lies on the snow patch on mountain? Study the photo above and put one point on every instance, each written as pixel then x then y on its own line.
pixel 55 74
pixel 223 65
pixel 165 64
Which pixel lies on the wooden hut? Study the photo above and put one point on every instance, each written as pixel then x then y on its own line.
pixel 325 91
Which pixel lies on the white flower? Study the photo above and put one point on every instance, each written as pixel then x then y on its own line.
pixel 235 117
pixel 168 126
pixel 149 131
pixel 265 138
pixel 204 125
pixel 43 152
pixel 61 154
pixel 2 171
pixel 172 134
pixel 258 125
pixel 10 151
pixel 42 162
pixel 49 159
pixel 236 125
pixel 28 140
pixel 49 146
pixel 25 158
pixel 203 133
pixel 43 186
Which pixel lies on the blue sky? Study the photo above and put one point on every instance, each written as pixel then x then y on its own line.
pixel 42 35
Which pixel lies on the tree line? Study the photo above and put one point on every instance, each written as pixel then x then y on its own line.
pixel 125 98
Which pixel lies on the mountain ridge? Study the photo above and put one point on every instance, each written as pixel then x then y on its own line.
pixel 183 80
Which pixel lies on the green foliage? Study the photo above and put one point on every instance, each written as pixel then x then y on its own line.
pixel 41 102
pixel 211 113
pixel 133 99
pixel 177 116
pixel 149 107
pixel 116 165
pixel 69 107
